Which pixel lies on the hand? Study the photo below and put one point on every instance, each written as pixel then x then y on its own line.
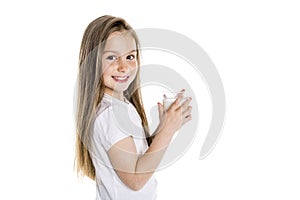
pixel 176 116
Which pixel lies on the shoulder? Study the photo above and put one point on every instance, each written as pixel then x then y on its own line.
pixel 103 111
pixel 103 107
pixel 109 127
pixel 108 112
pixel 113 114
pixel 108 106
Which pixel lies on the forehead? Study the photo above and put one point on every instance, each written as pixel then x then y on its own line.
pixel 120 42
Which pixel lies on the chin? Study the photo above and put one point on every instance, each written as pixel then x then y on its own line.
pixel 120 89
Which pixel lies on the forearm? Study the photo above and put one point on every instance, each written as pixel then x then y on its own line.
pixel 148 163
pixel 153 156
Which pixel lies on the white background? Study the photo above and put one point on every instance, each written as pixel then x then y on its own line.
pixel 255 46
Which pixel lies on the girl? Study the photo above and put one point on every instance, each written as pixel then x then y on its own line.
pixel 121 160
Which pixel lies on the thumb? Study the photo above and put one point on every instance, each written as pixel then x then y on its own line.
pixel 160 109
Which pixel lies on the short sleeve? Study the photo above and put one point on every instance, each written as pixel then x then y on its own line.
pixel 106 129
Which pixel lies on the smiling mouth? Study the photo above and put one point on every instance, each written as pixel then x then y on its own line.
pixel 120 79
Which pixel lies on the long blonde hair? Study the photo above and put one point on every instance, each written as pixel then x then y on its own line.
pixel 90 89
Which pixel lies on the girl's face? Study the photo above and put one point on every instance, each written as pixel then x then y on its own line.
pixel 119 62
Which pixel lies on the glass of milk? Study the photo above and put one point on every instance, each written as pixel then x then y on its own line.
pixel 170 97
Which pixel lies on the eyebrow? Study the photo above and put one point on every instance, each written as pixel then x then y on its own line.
pixel 118 52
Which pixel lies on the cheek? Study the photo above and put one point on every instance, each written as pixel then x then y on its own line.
pixel 134 69
pixel 106 69
pixel 133 66
pixel 106 74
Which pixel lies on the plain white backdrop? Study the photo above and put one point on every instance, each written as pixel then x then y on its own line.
pixel 255 46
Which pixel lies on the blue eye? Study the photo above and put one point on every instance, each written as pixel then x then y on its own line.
pixel 111 57
pixel 130 57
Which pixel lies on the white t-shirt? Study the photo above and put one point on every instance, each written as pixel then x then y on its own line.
pixel 115 121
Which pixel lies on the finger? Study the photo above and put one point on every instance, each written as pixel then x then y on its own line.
pixel 186 119
pixel 181 92
pixel 176 104
pixel 160 109
pixel 187 111
pixel 186 103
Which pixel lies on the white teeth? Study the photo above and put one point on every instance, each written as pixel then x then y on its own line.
pixel 121 78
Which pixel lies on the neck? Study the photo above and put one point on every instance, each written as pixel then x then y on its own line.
pixel 118 95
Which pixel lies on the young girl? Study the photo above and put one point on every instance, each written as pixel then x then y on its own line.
pixel 121 160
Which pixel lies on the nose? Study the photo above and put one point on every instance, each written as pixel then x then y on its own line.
pixel 122 65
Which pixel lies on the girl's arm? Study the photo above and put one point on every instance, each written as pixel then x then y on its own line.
pixel 135 170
